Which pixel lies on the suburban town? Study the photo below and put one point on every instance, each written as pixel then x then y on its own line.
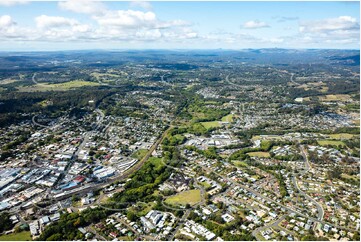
pixel 148 152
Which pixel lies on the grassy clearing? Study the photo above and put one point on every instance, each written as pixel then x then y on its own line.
pixel 341 136
pixel 330 142
pixel 259 154
pixel 7 81
pixel 335 97
pixel 187 197
pixel 139 154
pixel 206 185
pixel 156 161
pixel 22 236
pixel 240 163
pixel 212 124
pixel 355 178
pixel 228 118
pixel 44 87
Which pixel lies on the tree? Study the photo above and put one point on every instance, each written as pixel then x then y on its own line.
pixel 5 222
pixel 131 216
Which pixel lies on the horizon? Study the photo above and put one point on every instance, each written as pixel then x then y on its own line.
pixel 180 50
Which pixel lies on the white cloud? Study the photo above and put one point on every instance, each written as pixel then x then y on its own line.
pixel 329 25
pixel 255 24
pixel 126 18
pixel 343 29
pixel 141 4
pixel 44 21
pixel 9 3
pixel 6 21
pixel 83 6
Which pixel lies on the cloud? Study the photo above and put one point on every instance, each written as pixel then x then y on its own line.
pixel 9 3
pixel 343 29
pixel 6 21
pixel 282 19
pixel 255 24
pixel 83 6
pixel 342 23
pixel 45 21
pixel 126 18
pixel 141 4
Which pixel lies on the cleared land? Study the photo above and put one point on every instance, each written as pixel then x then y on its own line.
pixel 139 154
pixel 228 118
pixel 342 136
pixel 43 87
pixel 7 81
pixel 240 163
pixel 187 197
pixel 212 124
pixel 259 154
pixel 335 97
pixel 22 236
pixel 267 137
pixel 330 142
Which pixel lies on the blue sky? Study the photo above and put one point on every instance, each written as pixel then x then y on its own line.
pixel 84 24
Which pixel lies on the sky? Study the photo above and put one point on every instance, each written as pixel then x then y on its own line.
pixel 85 24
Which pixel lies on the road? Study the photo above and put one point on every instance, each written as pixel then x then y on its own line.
pixel 259 229
pixel 180 223
pixel 291 79
pixel 318 206
pixel 33 79
pixel 97 236
pixel 295 183
pixel 37 124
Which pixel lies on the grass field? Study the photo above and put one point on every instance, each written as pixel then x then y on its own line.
pixel 335 97
pixel 206 185
pixel 341 136
pixel 259 154
pixel 330 142
pixel 212 124
pixel 228 118
pixel 240 163
pixel 43 87
pixel 187 197
pixel 22 236
pixel 139 154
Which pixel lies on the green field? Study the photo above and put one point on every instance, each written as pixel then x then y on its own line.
pixel 156 161
pixel 139 154
pixel 187 197
pixel 228 118
pixel 22 236
pixel 44 87
pixel 341 136
pixel 354 177
pixel 239 163
pixel 206 185
pixel 212 124
pixel 330 142
pixel 259 154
